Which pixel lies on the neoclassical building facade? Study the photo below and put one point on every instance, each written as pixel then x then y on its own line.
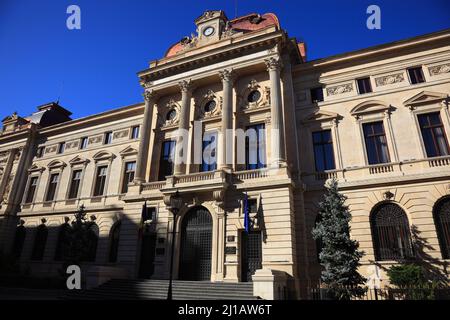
pixel 236 120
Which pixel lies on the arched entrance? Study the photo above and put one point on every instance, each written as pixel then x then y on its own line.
pixel 196 245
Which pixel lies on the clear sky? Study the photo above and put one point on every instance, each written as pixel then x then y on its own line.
pixel 94 69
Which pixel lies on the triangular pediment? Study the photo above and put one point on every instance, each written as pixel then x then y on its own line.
pixel 35 167
pixel 425 97
pixel 371 106
pixel 78 160
pixel 128 151
pixel 321 116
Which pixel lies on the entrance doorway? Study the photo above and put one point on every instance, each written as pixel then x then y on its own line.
pixel 251 254
pixel 196 245
pixel 148 245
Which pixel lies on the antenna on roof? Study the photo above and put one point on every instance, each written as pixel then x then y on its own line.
pixel 60 92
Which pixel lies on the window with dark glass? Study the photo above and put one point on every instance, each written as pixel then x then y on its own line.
pixel 171 115
pixel 114 242
pixel 210 106
pixel 83 143
pixel 19 240
pixel 135 132
pixel 391 233
pixel 100 181
pixel 107 138
pixel 75 184
pixel 255 147
pixel 40 152
pixel 433 134
pixel 61 147
pixel 166 160
pixel 323 150
pixel 441 213
pixel 54 178
pixel 317 94
pixel 376 143
pixel 128 175
pixel 31 189
pixel 209 151
pixel 252 205
pixel 40 241
pixel 254 96
pixel 416 75
pixel 364 85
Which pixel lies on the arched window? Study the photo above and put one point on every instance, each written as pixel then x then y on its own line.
pixel 91 251
pixel 19 240
pixel 63 242
pixel 39 242
pixel 441 213
pixel 114 241
pixel 390 232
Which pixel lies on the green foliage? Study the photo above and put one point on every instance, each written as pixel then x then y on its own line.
pixel 339 255
pixel 406 275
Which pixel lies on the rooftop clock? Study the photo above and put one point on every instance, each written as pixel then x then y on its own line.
pixel 208 31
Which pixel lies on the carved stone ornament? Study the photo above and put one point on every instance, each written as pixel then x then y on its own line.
pixel 339 89
pixel 389 79
pixel 208 97
pixel 185 85
pixel 273 64
pixel 263 101
pixel 388 195
pixel 228 75
pixel 440 69
pixel 148 95
pixel 163 114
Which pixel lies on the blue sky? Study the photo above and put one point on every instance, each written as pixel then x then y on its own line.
pixel 94 69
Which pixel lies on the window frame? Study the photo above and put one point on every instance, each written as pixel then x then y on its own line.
pixel 81 143
pixel 443 129
pixel 311 90
pixel 49 182
pixel 160 159
pixel 98 166
pixel 421 72
pixel 61 147
pixel 30 177
pixel 107 141
pixel 372 136
pixel 369 82
pixel 124 173
pixel 213 166
pixel 138 127
pixel 322 145
pixel 69 187
pixel 259 164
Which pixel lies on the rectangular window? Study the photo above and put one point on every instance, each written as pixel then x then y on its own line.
pixel 209 151
pixel 433 134
pixel 364 85
pixel 108 138
pixel 83 143
pixel 252 205
pixel 323 150
pixel 128 176
pixel 100 181
pixel 61 147
pixel 317 94
pixel 75 184
pixel 376 143
pixel 40 152
pixel 31 190
pixel 135 132
pixel 51 192
pixel 167 159
pixel 416 75
pixel 255 147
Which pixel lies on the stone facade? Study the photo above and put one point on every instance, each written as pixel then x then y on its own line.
pixel 226 62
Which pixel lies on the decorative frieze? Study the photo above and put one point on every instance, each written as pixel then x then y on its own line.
pixel 339 89
pixel 389 79
pixel 121 134
pixel 95 139
pixel 72 144
pixel 51 149
pixel 440 69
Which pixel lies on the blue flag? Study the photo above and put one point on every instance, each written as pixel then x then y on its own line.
pixel 246 214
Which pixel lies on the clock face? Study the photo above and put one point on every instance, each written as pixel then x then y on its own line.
pixel 208 31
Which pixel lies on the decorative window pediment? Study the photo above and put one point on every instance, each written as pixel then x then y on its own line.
pixel 78 160
pixel 208 105
pixel 128 151
pixel 104 155
pixel 321 116
pixel 169 115
pixel 425 97
pixel 56 164
pixel 36 168
pixel 370 107
pixel 254 96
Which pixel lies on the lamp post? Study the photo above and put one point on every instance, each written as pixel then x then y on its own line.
pixel 175 205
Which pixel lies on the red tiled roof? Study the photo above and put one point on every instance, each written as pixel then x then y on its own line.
pixel 243 24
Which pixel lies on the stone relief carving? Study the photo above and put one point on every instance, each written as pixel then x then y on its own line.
pixel 51 149
pixel 200 107
pixel 121 134
pixel 389 79
pixel 262 101
pixel 339 89
pixel 95 139
pixel 173 108
pixel 440 69
pixel 72 144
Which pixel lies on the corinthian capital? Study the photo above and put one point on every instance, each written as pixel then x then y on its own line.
pixel 228 75
pixel 185 85
pixel 149 94
pixel 273 64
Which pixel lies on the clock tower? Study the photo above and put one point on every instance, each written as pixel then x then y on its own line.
pixel 210 25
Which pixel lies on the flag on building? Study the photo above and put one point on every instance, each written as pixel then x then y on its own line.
pixel 246 214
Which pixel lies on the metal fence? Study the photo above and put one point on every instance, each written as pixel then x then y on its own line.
pixel 389 294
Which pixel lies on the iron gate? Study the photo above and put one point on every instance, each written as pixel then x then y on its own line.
pixel 148 245
pixel 251 248
pixel 196 245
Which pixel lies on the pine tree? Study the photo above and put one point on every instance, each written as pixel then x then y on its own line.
pixel 339 255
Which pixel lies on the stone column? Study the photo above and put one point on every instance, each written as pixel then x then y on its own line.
pixel 226 137
pixel 181 147
pixel 144 142
pixel 277 139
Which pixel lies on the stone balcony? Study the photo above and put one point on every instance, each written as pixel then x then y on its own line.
pixel 429 168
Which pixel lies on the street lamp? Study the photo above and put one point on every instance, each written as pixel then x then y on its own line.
pixel 175 205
